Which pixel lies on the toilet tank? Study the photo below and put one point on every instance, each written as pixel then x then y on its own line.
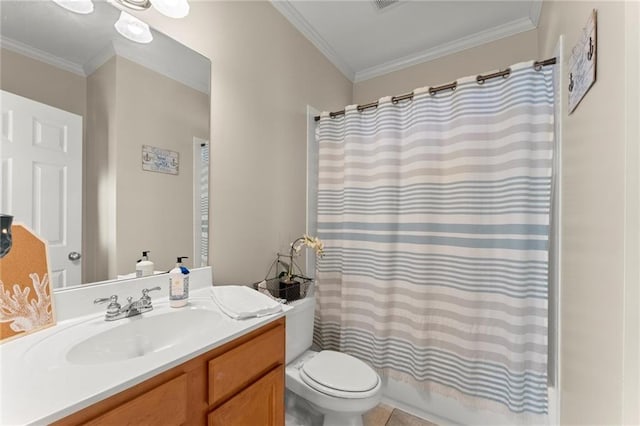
pixel 299 333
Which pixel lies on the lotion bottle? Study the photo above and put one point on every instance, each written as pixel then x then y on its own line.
pixel 144 267
pixel 179 285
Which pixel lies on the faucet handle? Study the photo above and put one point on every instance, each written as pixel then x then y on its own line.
pixel 112 299
pixel 113 308
pixel 145 291
pixel 146 299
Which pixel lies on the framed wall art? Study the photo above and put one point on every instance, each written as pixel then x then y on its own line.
pixel 26 302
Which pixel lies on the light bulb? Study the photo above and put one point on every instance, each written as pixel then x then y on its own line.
pixel 172 8
pixel 133 28
pixel 83 7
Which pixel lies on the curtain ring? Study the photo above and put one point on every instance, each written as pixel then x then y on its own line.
pixel 452 86
pixel 507 73
pixel 480 79
pixel 590 52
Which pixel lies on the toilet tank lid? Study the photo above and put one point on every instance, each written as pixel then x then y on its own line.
pixel 341 372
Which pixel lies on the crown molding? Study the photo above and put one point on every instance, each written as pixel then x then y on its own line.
pixel 114 48
pixel 534 12
pixel 42 56
pixel 297 20
pixel 99 59
pixel 473 40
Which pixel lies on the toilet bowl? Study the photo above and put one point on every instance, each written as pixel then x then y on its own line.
pixel 338 385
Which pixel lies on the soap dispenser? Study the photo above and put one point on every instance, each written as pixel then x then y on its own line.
pixel 144 267
pixel 179 285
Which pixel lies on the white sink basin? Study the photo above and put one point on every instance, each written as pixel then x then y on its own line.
pixel 142 335
pixel 162 333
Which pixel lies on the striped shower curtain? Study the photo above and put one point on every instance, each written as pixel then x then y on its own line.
pixel 204 204
pixel 435 217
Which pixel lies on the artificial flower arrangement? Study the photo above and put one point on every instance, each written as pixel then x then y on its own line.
pixel 289 286
pixel 312 242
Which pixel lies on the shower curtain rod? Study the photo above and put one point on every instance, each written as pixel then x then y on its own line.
pixel 480 79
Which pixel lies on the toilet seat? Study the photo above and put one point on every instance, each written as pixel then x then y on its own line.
pixel 339 375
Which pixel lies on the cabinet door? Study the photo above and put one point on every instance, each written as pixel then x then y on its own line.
pixel 164 405
pixel 261 404
pixel 243 365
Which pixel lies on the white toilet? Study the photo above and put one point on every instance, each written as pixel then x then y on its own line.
pixel 338 385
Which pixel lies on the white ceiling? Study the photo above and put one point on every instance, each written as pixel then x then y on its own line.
pixel 81 43
pixel 360 40
pixel 364 42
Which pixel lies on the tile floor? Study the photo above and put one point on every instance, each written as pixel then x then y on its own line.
pixel 384 415
pixel 301 413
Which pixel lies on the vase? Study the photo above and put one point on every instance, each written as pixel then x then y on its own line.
pixel 5 234
pixel 289 290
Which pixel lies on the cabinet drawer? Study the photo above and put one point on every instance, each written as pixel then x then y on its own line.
pixel 262 403
pixel 163 405
pixel 235 369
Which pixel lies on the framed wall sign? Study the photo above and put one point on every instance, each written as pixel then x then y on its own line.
pixel 160 160
pixel 582 63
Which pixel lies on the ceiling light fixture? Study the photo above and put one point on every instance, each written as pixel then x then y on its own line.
pixel 133 28
pixel 170 8
pixel 136 4
pixel 83 7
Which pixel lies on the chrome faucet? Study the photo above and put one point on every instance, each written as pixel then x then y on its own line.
pixel 115 311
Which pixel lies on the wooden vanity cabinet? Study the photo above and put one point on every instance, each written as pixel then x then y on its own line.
pixel 259 404
pixel 239 383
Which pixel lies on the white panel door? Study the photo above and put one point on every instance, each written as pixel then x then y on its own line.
pixel 41 171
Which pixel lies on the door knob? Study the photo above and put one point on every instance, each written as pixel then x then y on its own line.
pixel 74 255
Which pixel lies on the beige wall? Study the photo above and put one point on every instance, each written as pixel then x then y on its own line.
pixel 495 55
pixel 42 82
pixel 154 211
pixel 99 214
pixel 631 363
pixel 136 210
pixel 264 73
pixel 594 203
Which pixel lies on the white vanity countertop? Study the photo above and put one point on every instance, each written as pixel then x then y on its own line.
pixel 39 385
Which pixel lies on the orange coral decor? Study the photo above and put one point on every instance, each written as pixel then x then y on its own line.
pixel 25 290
